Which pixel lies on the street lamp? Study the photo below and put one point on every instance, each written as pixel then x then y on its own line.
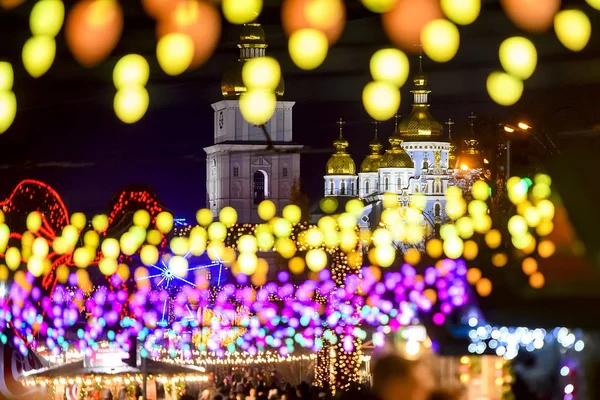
pixel 521 128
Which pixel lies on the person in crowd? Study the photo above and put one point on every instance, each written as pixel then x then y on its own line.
pixel 396 378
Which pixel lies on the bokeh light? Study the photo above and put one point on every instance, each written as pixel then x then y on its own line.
pixel 175 52
pixel 7 76
pixel 440 40
pixel 573 28
pixel 381 100
pixel 390 65
pixel 518 57
pixel 531 15
pixel 47 17
pixel 261 73
pixel 403 24
pixel 503 88
pixel 38 55
pixel 308 48
pixel 241 11
pixel 462 12
pixel 131 103
pixel 131 69
pixel 379 6
pixel 258 106
pixel 8 110
pixel 326 16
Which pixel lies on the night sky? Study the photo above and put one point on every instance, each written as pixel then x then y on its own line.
pixel 67 135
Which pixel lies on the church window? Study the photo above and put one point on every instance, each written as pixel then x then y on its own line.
pixel 331 187
pixel 259 186
pixel 398 182
pixel 387 183
pixel 352 188
pixel 343 188
pixel 437 209
pixel 416 188
pixel 284 172
pixel 367 186
pixel 236 171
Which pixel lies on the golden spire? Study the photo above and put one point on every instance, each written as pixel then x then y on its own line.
pixel 340 162
pixel 372 162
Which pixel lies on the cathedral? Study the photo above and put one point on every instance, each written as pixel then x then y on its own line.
pixel 421 159
pixel 248 164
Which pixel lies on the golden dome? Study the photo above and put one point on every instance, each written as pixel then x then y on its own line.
pixel 470 157
pixel 396 157
pixel 252 44
pixel 372 161
pixel 340 162
pixel 420 124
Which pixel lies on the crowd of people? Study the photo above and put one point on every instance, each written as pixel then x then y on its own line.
pixel 394 378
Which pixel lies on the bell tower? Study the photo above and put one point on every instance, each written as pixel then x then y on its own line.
pixel 240 170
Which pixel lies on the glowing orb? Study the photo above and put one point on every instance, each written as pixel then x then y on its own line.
pixel 108 266
pixel 204 217
pixel 164 222
pixel 531 15
pixel 34 221
pixel 78 220
pixel 381 100
pixel 484 287
pixel 110 248
pixel 403 23
pixel 308 48
pixel 462 12
pixel 440 39
pixel 178 266
pixel 573 28
pixel 292 213
pixel 316 259
pixel 503 88
pixel 175 53
pixel 228 216
pixel 241 11
pixel 379 6
pixel 100 222
pixel 7 76
pixel 258 106
pixel 131 69
pixel 327 16
pixel 518 57
pixel 131 103
pixel 390 65
pixel 38 55
pixel 261 73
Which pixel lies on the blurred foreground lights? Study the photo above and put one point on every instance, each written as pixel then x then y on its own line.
pixel 258 106
pixel 241 11
pixel 483 287
pixel 518 57
pixel 379 6
pixel 8 109
pixel 440 40
pixel 316 259
pixel 92 30
pixel 537 280
pixel 131 103
pixel 325 16
pixel 132 69
pixel 462 12
pixel 261 73
pixel 7 76
pixel 390 65
pixel 531 15
pixel 38 55
pixel 573 29
pixel 308 48
pixel 503 88
pixel 405 21
pixel 175 52
pixel 594 3
pixel 47 17
pixel 381 100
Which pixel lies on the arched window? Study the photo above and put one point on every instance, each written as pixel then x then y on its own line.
pixel 387 183
pixel 367 186
pixel 436 230
pixel 259 184
pixel 437 209
pixel 399 183
pixel 352 186
pixel 331 186
pixel 343 188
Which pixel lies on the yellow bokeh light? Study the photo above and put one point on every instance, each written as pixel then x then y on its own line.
pixel 391 66
pixel 465 227
pixel 123 271
pixel 473 275
pixel 292 213
pixel 8 110
pixel 83 256
pixel 517 225
pixel 91 239
pixel 518 57
pixel 13 258
pixel 573 28
pixel 499 259
pixel 316 259
pixel 462 12
pixel 47 17
pixel 34 221
pixel 347 221
pixel 484 287
pixel 38 55
pixel 35 265
pixel 265 241
pixel 381 100
pixel 241 11
pixel 78 220
pixel 529 266
pixel 544 228
pixel 131 103
pixel 523 242
pixel 537 280
pixel 503 88
pixel 546 209
pixel 412 256
pixel 532 216
pixel 348 241
pixel 314 237
pixel 379 6
pixel 267 210
pixel 247 263
pixel 480 191
pixel 154 237
pixel 108 266
pixel 546 248
pixel 286 247
pixel 328 205
pixel 493 239
pixel 281 227
pixel 179 245
pixel 204 217
pixel 110 248
pixel 355 207
pixel 471 250
pixel 247 244
pixel 385 255
pixel 258 106
pixel 382 237
pixel 164 222
pixel 40 247
pixel 148 255
pixel 62 273
pixel 131 69
pixel 178 266
pixel 456 207
pixel 440 40
pixel 453 247
pixel 263 73
pixel 217 231
pixel 7 76
pixel 296 265
pixel 434 248
pixel 141 218
pixel 308 48
pixel 100 222
pixel 228 216
pixel 175 52
pixel 594 3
